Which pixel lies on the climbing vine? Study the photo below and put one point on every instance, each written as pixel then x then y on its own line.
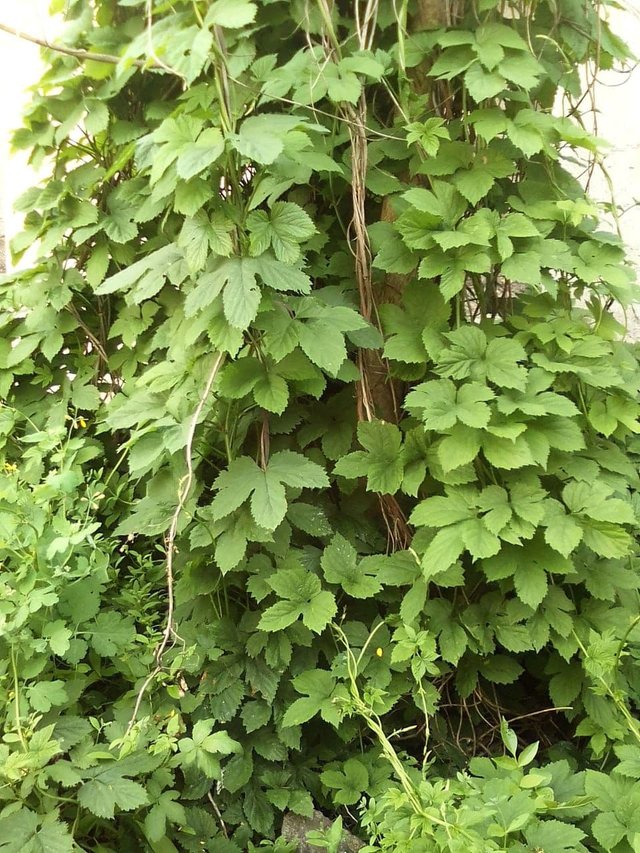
pixel 319 434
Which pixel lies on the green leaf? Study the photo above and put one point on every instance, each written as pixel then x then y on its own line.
pixel 97 265
pixel 23 831
pixel 607 830
pixel 232 14
pixel 201 235
pixel 563 533
pixel 522 70
pixel 244 478
pixel 428 134
pixel 500 669
pixel 323 344
pixel 488 122
pixel 279 276
pixel 343 85
pixel 629 760
pixel 523 267
pixel 239 377
pixel 443 550
pixel 470 355
pixel 453 642
pixel 111 632
pixel 261 137
pixel 474 184
pixel 196 156
pixel 119 225
pixel 302 597
pixel 350 782
pixel 269 501
pixel 530 582
pixel 190 196
pixel 241 296
pixel 459 447
pixel 606 539
pixel 43 695
pixel 363 62
pixel 478 539
pixel 105 788
pixel 283 228
pixel 438 511
pixel 381 461
pixel 340 566
pixel 483 84
pixel 318 687
pixel 58 636
pixel 255 714
pixel 507 453
pixel 271 392
pixel 311 519
pixel 553 836
pixel 452 62
pixel 150 270
pixel 443 404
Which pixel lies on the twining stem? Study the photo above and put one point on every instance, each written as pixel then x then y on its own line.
pixel 16 690
pixel 184 488
pixel 76 52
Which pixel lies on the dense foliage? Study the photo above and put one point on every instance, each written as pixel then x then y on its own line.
pixel 319 435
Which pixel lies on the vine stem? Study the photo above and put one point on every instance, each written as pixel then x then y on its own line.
pixel 184 488
pixel 77 52
pixel 16 688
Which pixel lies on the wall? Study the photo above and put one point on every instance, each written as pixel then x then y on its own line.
pixel 20 67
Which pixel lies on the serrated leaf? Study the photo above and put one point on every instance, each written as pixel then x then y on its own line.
pixel 608 830
pixel 317 685
pixel 459 447
pixel 553 836
pixel 241 296
pixel 23 831
pixel 101 794
pixel 453 642
pixel 271 392
pixel 153 266
pixel 43 695
pixel 323 344
pixel 110 632
pixel 443 404
pixel 563 533
pixel 302 597
pixel 500 669
pixel 483 84
pixel 283 228
pixel 443 550
pixel 340 566
pixel 531 584
pixel 381 461
pixel 196 156
pixel 202 235
pixel 232 14
pixel 629 760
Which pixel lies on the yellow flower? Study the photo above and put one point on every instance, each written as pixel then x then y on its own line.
pixel 10 468
pixel 379 652
pixel 82 422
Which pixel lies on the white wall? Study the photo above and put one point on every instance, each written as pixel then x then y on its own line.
pixel 618 121
pixel 20 67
